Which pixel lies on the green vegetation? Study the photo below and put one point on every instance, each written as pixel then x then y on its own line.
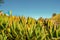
pixel 22 28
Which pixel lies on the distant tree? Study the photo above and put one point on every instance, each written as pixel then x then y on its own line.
pixel 54 14
pixel 1 1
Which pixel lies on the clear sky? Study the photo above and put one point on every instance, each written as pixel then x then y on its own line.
pixel 32 8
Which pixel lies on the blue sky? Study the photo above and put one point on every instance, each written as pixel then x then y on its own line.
pixel 32 8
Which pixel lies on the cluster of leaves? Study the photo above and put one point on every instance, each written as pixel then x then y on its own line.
pixel 22 28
